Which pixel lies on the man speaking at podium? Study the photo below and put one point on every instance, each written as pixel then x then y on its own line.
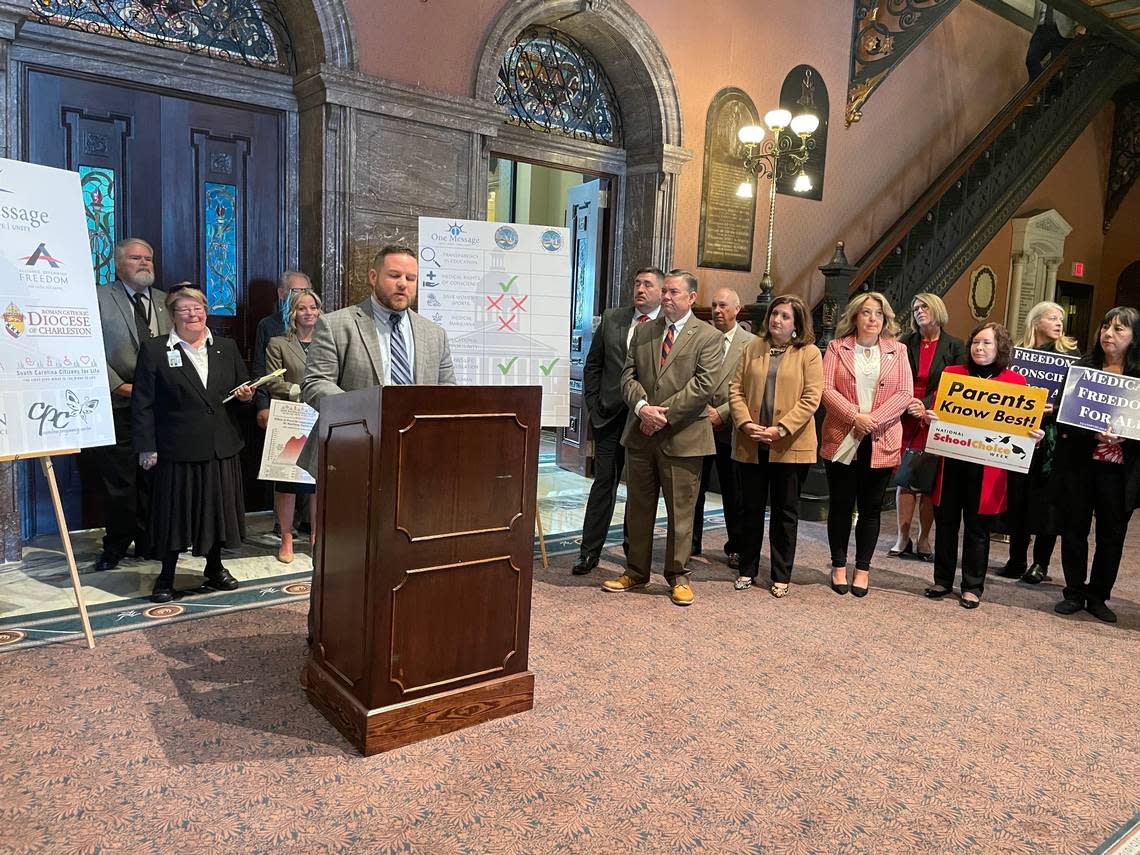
pixel 667 383
pixel 379 342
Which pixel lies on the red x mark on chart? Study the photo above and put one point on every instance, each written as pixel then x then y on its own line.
pixel 518 303
pixel 495 302
pixel 505 323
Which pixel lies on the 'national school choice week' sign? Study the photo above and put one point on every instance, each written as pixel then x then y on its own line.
pixel 1100 401
pixel 986 421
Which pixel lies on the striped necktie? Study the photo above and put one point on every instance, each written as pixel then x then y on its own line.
pixel 667 345
pixel 401 367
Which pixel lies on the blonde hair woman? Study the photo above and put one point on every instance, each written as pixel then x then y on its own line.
pixel 867 386
pixel 1031 512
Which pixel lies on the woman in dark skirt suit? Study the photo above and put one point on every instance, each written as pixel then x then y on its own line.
pixel 190 437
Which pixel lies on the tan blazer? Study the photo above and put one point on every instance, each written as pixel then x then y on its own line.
pixel 727 373
pixel 799 389
pixel 285 351
pixel 684 384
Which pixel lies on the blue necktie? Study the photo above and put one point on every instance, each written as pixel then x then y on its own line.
pixel 401 367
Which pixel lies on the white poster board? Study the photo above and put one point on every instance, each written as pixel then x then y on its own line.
pixel 289 425
pixel 502 292
pixel 54 392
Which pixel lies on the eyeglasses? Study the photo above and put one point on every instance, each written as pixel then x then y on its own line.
pixel 190 311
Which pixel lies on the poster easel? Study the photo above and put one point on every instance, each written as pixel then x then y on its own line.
pixel 64 535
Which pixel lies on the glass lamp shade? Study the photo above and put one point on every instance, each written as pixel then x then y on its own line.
pixel 750 134
pixel 744 191
pixel 777 119
pixel 805 124
pixel 803 183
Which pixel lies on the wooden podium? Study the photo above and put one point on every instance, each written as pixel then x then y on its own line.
pixel 422 575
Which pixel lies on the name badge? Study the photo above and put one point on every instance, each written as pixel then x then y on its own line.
pixel 174 358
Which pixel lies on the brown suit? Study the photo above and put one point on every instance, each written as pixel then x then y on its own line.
pixel 671 459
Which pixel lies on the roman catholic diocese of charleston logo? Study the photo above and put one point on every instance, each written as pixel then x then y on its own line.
pixel 13 321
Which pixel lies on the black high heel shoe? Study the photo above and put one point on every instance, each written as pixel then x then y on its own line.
pixel 861 592
pixel 835 586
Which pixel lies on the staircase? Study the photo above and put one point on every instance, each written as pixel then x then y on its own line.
pixel 934 242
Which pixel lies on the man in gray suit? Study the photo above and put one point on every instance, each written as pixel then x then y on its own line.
pixel 725 308
pixel 601 386
pixel 131 311
pixel 378 342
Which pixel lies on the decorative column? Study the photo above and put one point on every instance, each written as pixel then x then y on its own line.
pixel 1051 266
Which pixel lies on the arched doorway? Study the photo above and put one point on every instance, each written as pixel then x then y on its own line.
pixel 1128 286
pixel 184 132
pixel 638 169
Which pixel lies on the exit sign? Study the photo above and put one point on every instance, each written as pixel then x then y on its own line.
pixel 1078 268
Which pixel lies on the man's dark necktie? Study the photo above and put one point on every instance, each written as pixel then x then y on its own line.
pixel 142 325
pixel 667 345
pixel 401 365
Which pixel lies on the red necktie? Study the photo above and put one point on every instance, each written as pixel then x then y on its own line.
pixel 667 345
pixel 642 318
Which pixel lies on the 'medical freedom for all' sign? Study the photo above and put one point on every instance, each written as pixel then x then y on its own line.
pixel 1101 401
pixel 986 421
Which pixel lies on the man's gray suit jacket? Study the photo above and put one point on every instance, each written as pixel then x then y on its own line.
pixel 120 335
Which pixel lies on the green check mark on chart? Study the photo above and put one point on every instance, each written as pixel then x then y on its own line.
pixel 507 367
pixel 506 286
pixel 546 369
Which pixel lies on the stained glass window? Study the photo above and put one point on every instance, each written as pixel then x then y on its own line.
pixel 98 185
pixel 220 217
pixel 252 32
pixel 550 82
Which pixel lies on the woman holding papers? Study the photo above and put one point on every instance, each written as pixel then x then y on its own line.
pixel 183 429
pixel 288 352
pixel 867 386
pixel 773 401
pixel 971 492
pixel 1099 473
pixel 1031 510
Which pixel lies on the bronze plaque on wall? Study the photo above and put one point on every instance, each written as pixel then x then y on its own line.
pixel 727 220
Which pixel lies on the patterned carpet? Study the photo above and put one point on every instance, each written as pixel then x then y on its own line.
pixel 743 724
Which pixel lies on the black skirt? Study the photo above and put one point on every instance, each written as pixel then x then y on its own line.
pixel 294 488
pixel 197 504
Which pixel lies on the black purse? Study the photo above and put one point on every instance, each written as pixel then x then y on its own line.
pixel 917 471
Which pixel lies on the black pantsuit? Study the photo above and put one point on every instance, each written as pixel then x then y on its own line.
pixel 857 484
pixel 1097 488
pixel 729 477
pixel 128 489
pixel 609 458
pixel 776 485
pixel 1029 515
pixel 958 509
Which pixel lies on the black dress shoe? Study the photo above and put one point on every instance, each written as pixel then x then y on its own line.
pixel 936 593
pixel 219 579
pixel 859 592
pixel 163 592
pixel 840 589
pixel 1035 575
pixel 1068 607
pixel 1012 570
pixel 584 565
pixel 1100 610
pixel 103 564
pixel 968 604
pixel 905 552
pixel 734 561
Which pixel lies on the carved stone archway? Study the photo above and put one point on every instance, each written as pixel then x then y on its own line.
pixel 647 96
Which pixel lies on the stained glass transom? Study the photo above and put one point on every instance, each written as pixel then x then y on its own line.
pixel 98 186
pixel 550 82
pixel 248 31
pixel 221 248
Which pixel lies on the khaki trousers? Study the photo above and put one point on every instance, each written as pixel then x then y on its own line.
pixel 648 473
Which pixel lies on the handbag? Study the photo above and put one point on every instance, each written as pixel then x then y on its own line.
pixel 917 471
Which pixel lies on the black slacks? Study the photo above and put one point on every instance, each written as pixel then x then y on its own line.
pixel 851 486
pixel 1097 488
pixel 127 487
pixel 958 508
pixel 729 477
pixel 609 458
pixel 1027 515
pixel 1046 41
pixel 777 485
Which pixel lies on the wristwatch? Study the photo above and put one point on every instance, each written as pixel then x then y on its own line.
pixel 782 431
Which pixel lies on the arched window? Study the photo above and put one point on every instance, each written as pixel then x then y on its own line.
pixel 551 83
pixel 251 32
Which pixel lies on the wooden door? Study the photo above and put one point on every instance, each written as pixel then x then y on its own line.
pixel 587 218
pixel 201 181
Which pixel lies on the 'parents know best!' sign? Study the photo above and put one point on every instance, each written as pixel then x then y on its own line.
pixel 1042 368
pixel 1100 401
pixel 986 421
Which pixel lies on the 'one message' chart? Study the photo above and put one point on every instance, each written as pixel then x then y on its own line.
pixel 502 292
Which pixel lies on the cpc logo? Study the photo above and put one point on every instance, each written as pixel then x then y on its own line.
pixel 50 419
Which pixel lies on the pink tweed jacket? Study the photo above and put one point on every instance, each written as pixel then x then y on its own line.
pixel 841 400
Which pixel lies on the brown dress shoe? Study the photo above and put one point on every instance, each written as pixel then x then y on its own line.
pixel 623 582
pixel 682 595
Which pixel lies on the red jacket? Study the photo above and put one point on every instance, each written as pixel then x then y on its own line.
pixel 992 500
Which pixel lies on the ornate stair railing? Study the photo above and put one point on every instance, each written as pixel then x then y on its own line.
pixel 933 243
